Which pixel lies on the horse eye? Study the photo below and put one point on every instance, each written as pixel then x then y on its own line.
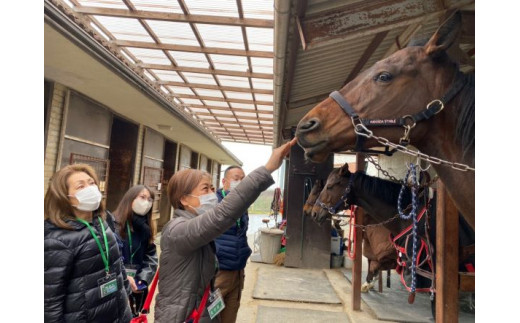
pixel 384 77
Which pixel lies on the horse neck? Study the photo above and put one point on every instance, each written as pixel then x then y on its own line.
pixel 375 207
pixel 460 185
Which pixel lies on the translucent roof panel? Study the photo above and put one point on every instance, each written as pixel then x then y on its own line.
pixel 170 32
pixel 264 107
pixel 168 75
pixel 149 56
pixel 103 4
pixel 264 97
pixel 198 62
pixel 260 38
pixel 181 90
pixel 262 65
pixel 199 78
pixel 222 36
pixel 262 84
pixel 206 92
pixel 258 9
pixel 229 62
pixel 216 103
pixel 189 59
pixel 245 114
pixel 157 5
pixel 226 80
pixel 223 112
pixel 238 95
pixel 124 28
pixel 242 105
pixel 224 8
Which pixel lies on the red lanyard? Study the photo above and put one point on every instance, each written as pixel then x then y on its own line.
pixel 197 313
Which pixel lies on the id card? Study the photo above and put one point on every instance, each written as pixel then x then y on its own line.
pixel 107 285
pixel 216 303
pixel 131 270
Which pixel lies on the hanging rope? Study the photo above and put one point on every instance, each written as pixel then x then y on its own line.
pixel 413 216
pixel 275 204
pixel 352 233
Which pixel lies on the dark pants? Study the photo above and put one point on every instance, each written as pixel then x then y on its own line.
pixel 231 284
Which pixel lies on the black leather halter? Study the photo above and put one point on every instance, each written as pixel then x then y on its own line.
pixel 408 121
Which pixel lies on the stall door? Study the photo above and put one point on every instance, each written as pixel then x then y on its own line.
pixel 152 172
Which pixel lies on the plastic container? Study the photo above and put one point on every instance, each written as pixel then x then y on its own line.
pixel 270 243
pixel 336 261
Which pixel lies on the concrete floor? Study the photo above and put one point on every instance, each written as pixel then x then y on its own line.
pixel 249 306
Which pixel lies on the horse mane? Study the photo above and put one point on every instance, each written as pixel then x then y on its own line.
pixel 384 190
pixel 465 130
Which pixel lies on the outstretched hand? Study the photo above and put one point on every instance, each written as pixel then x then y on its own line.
pixel 278 154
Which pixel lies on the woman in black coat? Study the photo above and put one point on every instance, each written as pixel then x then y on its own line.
pixel 134 225
pixel 83 274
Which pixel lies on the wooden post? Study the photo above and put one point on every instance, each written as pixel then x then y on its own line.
pixel 447 258
pixel 380 283
pixel 358 261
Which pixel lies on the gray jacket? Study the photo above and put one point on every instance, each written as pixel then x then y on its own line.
pixel 187 262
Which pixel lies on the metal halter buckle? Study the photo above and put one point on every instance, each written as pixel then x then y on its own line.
pixel 436 101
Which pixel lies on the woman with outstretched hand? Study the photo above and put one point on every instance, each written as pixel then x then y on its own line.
pixel 187 261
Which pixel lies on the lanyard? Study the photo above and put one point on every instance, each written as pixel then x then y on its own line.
pixel 223 196
pixel 104 256
pixel 130 244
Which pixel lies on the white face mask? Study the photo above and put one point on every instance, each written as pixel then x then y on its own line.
pixel 88 198
pixel 141 207
pixel 207 202
pixel 233 185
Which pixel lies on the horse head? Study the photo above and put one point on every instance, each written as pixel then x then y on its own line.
pixel 397 87
pixel 313 195
pixel 330 196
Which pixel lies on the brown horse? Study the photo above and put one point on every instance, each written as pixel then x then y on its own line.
pixel 377 246
pixel 313 195
pixel 419 88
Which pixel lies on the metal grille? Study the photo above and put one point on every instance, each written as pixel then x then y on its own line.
pixel 101 166
pixel 152 177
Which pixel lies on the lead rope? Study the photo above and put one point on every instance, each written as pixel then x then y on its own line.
pixel 352 233
pixel 413 215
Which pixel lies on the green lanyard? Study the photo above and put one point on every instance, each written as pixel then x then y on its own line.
pixel 223 196
pixel 130 244
pixel 104 256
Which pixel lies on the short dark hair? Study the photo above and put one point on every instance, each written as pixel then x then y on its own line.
pixel 230 168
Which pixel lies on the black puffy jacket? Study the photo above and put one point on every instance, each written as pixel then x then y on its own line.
pixel 73 265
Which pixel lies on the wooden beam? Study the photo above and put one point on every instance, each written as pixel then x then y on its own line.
pixel 216 87
pixel 447 253
pixel 364 18
pixel 357 265
pixel 204 71
pixel 214 98
pixel 259 127
pixel 369 51
pixel 194 49
pixel 176 17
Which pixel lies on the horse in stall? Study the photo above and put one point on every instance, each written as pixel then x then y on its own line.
pixel 378 197
pixel 419 88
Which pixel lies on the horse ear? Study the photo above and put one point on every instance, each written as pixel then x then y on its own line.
pixel 445 35
pixel 344 170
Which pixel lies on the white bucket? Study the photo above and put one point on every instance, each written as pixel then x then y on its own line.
pixel 270 243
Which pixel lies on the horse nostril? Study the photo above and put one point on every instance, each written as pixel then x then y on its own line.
pixel 309 125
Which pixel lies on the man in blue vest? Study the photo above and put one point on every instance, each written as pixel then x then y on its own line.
pixel 232 252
